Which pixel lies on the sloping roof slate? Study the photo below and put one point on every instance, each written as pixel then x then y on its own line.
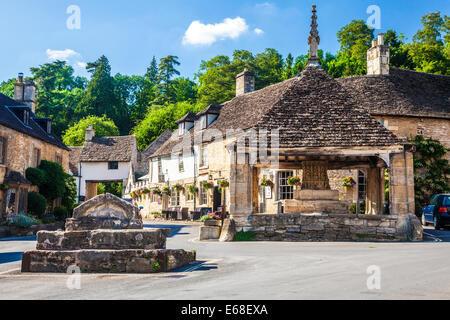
pixel 105 149
pixel 401 93
pixel 157 143
pixel 8 119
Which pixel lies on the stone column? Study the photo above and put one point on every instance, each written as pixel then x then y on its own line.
pixel 91 190
pixel 241 184
pixel 401 179
pixel 374 202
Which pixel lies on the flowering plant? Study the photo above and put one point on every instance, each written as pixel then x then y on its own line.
pixel 4 186
pixel 294 181
pixel 348 182
pixel 223 184
pixel 157 191
pixel 178 187
pixel 207 185
pixel 209 216
pixel 192 189
pixel 267 183
pixel 166 190
pixel 146 191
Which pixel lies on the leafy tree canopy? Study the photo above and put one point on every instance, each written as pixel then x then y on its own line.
pixel 104 127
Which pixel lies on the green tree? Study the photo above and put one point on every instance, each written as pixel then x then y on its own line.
pixel 166 71
pixel 101 98
pixel 288 71
pixel 75 135
pixel 429 50
pixel 184 90
pixel 7 87
pixel 399 52
pixel 160 118
pixel 269 68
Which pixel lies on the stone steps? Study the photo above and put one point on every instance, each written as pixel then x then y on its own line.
pixel 106 261
pixel 103 239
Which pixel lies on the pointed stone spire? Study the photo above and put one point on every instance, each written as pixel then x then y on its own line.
pixel 313 39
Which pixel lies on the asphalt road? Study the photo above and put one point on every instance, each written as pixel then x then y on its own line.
pixel 255 270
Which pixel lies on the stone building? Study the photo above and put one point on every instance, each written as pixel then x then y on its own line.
pixel 102 160
pixel 25 140
pixel 311 126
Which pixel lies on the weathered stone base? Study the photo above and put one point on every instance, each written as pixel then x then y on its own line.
pixel 103 239
pixel 316 206
pixel 332 227
pixel 209 232
pixel 93 223
pixel 106 261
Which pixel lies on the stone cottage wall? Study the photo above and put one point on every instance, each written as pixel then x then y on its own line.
pixel 332 227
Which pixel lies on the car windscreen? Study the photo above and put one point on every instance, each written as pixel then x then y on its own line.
pixel 446 201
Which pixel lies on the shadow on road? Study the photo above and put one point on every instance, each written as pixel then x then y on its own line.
pixel 7 257
pixel 33 238
pixel 200 265
pixel 429 234
pixel 176 229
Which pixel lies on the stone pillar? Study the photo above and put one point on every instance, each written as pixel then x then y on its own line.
pixel 241 185
pixel 91 190
pixel 374 199
pixel 401 179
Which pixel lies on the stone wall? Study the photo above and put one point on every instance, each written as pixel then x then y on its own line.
pixel 331 227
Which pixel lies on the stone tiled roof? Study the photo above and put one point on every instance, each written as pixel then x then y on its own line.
pixel 402 93
pixel 312 110
pixel 188 117
pixel 105 149
pixel 9 119
pixel 157 143
pixel 74 159
pixel 211 109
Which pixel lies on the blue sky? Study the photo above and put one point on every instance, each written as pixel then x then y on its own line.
pixel 129 33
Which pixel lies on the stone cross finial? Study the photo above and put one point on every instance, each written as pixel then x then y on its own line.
pixel 313 39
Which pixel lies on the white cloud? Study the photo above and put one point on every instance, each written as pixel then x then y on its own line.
pixel 258 31
pixel 61 54
pixel 206 34
pixel 81 65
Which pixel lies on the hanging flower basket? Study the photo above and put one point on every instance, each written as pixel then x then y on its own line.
pixel 223 184
pixel 146 191
pixel 192 189
pixel 267 183
pixel 4 187
pixel 157 191
pixel 348 182
pixel 294 181
pixel 207 185
pixel 166 191
pixel 178 187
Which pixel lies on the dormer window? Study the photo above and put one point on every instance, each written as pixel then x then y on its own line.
pixel 203 121
pixel 181 128
pixel 26 117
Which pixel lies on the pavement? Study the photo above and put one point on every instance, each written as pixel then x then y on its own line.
pixel 255 270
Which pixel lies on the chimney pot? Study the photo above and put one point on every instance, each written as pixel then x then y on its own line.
pixel 374 43
pixel 381 39
pixel 20 77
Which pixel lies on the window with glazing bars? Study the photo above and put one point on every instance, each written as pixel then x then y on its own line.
pixel 285 191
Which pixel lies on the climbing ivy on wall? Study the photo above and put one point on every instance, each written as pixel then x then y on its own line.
pixel 432 171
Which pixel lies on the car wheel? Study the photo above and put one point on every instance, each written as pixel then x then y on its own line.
pixel 424 222
pixel 437 225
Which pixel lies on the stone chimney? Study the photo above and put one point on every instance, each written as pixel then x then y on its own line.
pixel 378 57
pixel 89 134
pixel 245 82
pixel 25 93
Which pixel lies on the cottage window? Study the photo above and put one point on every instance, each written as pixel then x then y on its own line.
pixel 180 162
pixel 181 128
pixel 204 155
pixel 362 186
pixel 113 165
pixel 203 122
pixel 189 196
pixel 160 173
pixel 2 150
pixel 285 191
pixel 23 196
pixel 58 159
pixel 36 157
pixel 175 198
pixel 203 196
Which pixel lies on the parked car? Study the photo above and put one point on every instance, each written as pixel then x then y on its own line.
pixel 437 212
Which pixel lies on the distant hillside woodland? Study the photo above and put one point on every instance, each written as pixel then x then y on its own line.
pixel 148 104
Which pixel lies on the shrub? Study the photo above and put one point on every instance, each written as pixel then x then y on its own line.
pixel 37 204
pixel 244 236
pixel 22 221
pixel 60 212
pixel 35 176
